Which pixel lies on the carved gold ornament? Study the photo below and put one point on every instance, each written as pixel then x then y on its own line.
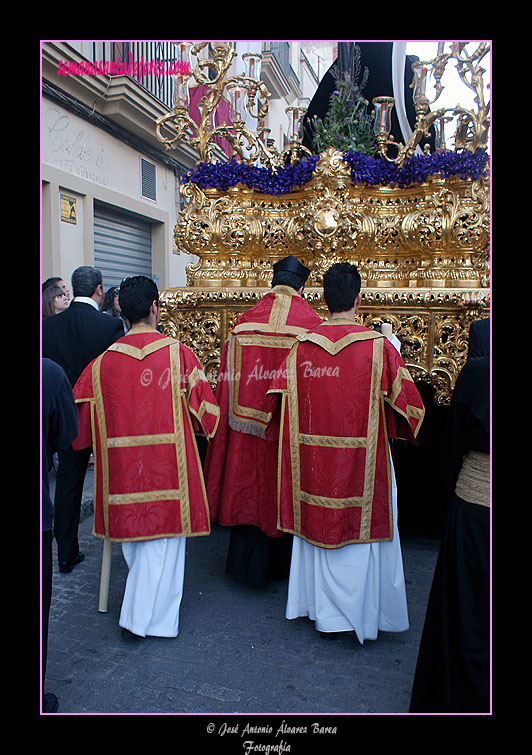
pixel 434 234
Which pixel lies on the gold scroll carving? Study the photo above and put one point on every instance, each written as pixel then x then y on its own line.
pixel 422 252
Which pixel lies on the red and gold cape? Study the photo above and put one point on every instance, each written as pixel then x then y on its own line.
pixel 240 466
pixel 140 404
pixel 344 391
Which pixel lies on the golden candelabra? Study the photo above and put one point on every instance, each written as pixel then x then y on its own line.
pixel 422 250
pixel 473 127
pixel 247 94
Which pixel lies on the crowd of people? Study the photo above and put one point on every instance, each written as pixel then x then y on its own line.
pixel 299 465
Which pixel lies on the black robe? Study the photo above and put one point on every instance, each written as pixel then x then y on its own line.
pixel 453 667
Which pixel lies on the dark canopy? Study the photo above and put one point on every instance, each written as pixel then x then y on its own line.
pixel 377 58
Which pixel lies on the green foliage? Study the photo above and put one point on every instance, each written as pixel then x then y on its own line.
pixel 347 124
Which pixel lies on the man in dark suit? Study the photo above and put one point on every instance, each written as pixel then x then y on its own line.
pixel 73 338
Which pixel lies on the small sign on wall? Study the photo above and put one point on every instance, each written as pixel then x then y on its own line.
pixel 68 209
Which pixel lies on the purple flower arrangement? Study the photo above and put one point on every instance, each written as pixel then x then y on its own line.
pixel 225 175
pixel 365 169
pixel 374 171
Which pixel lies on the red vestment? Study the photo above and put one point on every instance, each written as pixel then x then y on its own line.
pixel 139 404
pixel 345 391
pixel 240 466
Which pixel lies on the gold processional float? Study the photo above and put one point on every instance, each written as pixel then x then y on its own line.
pixel 416 225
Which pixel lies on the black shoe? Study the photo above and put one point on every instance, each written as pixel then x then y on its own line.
pixel 66 566
pixel 328 635
pixel 50 703
pixel 128 636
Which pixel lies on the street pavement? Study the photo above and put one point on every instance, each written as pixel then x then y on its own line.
pixel 235 653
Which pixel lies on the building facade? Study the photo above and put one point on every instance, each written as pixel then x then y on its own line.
pixel 110 192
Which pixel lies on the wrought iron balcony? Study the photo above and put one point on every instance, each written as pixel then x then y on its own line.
pixel 124 55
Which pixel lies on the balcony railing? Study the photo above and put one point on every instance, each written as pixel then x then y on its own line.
pixel 281 51
pixel 159 85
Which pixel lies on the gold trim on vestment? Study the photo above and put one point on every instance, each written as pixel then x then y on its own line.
pixel 372 432
pixel 279 312
pixel 259 339
pixel 293 413
pixel 178 394
pixel 139 329
pixel 265 328
pixel 280 445
pixel 95 455
pixel 410 411
pixel 341 321
pixel 102 433
pixel 370 442
pixel 236 342
pixel 277 317
pixel 144 351
pixel 124 441
pixel 146 496
pixel 332 503
pixel 332 546
pixel 194 378
pixel 332 441
pixel 287 290
pixel 334 347
pixel 200 471
pixel 213 409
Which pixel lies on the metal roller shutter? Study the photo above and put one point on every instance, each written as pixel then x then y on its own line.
pixel 122 246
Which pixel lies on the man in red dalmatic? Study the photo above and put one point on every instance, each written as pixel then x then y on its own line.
pixel 241 464
pixel 140 404
pixel 343 392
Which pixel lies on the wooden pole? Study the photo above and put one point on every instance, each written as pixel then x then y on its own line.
pixel 105 576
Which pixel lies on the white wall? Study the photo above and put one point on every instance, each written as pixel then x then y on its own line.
pixel 85 162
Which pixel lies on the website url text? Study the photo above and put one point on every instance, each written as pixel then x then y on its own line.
pixel 134 68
